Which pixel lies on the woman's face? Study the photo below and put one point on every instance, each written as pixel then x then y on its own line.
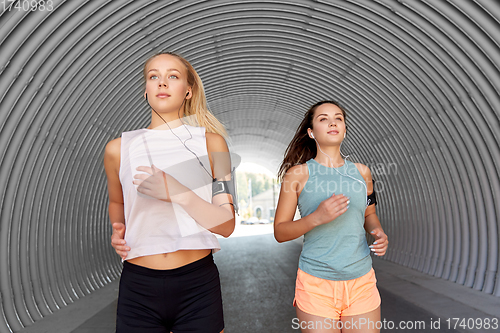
pixel 328 124
pixel 166 83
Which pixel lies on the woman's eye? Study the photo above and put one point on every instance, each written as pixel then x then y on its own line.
pixel 152 76
pixel 339 119
pixel 322 119
pixel 173 77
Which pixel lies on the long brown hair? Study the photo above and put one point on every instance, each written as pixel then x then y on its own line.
pixel 302 148
pixel 197 104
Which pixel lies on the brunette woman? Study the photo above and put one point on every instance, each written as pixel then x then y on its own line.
pixel 336 286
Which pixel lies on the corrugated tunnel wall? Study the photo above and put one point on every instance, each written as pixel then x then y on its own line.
pixel 419 79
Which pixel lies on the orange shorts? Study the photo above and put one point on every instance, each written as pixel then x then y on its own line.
pixel 335 299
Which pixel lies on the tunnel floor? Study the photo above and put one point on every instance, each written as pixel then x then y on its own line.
pixel 258 278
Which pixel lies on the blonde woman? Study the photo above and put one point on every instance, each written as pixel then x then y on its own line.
pixel 163 210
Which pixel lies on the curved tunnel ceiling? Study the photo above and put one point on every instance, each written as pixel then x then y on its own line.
pixel 419 79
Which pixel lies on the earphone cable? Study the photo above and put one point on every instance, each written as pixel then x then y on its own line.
pixel 346 166
pixel 183 142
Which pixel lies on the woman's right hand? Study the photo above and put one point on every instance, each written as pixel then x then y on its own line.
pixel 331 208
pixel 118 240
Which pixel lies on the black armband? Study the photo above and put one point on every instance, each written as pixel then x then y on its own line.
pixel 372 198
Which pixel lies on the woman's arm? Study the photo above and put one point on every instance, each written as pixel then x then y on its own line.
pixel 372 226
pixel 218 216
pixel 372 223
pixel 285 228
pixel 115 208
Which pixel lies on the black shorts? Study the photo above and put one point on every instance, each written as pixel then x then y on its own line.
pixel 184 299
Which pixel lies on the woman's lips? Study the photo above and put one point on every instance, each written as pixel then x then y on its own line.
pixel 333 132
pixel 163 95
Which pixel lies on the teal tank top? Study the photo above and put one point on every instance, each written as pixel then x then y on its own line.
pixel 337 250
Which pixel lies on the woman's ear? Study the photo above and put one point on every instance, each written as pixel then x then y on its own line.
pixel 189 94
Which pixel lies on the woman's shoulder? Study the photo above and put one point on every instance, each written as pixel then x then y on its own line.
pixel 364 171
pixel 297 172
pixel 215 142
pixel 213 136
pixel 112 152
pixel 296 177
pixel 113 147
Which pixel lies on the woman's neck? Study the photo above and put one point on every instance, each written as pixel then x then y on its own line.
pixel 160 121
pixel 329 155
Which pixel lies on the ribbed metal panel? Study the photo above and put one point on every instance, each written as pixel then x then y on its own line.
pixel 420 81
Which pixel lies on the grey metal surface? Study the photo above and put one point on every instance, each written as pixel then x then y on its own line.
pixel 419 79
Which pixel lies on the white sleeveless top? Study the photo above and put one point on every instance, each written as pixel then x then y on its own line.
pixel 154 226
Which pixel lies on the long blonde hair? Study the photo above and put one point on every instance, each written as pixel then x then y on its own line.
pixel 197 104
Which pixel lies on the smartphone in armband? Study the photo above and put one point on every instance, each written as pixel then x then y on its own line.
pixel 226 186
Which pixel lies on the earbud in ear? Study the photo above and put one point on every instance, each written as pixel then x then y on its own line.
pixel 312 135
pixel 187 94
pixel 344 135
pixel 146 96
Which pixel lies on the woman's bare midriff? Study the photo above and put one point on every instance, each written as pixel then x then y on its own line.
pixel 170 260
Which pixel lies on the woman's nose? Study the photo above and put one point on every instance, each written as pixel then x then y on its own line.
pixel 162 83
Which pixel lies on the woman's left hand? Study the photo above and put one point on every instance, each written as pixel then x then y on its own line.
pixel 158 184
pixel 380 245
